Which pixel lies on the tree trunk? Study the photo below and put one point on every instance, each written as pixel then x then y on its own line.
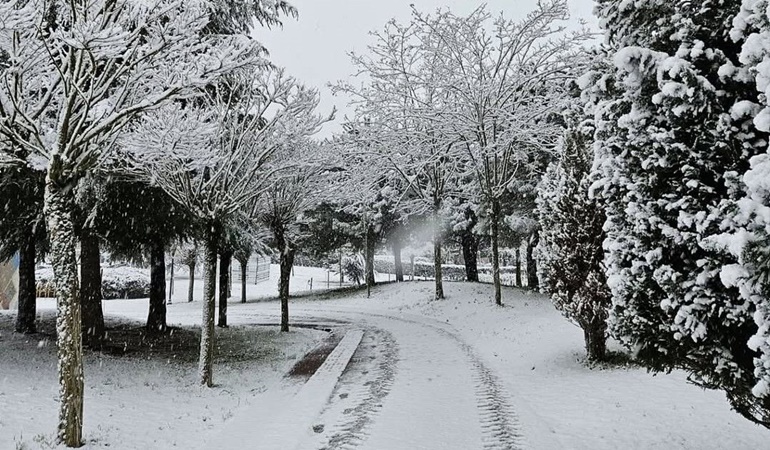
pixel 518 266
pixel 59 203
pixel 470 247
pixel 25 319
pixel 437 238
pixel 411 261
pixel 437 266
pixel 371 244
pixel 342 275
pixel 229 284
pixel 171 280
pixel 399 268
pixel 243 280
pixel 156 318
pixel 595 335
pixel 495 219
pixel 532 281
pixel 191 286
pixel 224 286
pixel 287 261
pixel 91 289
pixel 205 362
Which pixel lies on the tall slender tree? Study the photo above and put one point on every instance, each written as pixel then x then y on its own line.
pixel 570 253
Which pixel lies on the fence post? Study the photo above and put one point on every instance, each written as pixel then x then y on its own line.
pixel 171 280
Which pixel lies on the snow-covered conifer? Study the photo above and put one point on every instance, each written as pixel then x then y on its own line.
pixel 746 227
pixel 667 143
pixel 570 254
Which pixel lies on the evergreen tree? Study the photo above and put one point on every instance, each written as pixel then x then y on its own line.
pixel 747 224
pixel 463 220
pixel 666 144
pixel 330 228
pixel 140 222
pixel 22 231
pixel 570 251
pixel 88 200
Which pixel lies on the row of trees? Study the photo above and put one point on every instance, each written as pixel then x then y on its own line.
pixel 458 117
pixel 655 216
pixel 643 164
pixel 135 124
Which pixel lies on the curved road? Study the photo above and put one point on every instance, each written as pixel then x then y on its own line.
pixel 412 383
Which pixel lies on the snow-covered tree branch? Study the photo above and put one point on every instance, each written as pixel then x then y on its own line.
pixel 217 158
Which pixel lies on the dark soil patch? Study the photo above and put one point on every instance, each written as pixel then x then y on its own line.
pixel 613 360
pixel 130 339
pixel 307 366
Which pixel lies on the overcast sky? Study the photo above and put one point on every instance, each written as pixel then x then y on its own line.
pixel 315 47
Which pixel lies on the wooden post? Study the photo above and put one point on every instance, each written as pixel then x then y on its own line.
pixel 342 277
pixel 171 280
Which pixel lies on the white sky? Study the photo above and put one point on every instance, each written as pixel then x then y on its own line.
pixel 315 47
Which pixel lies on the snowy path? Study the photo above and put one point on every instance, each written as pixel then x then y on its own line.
pixel 465 374
pixel 290 416
pixel 413 384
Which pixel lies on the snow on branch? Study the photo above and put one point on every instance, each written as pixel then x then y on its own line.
pixel 80 72
pixel 219 156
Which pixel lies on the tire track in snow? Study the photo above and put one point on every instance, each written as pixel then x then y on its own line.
pixel 498 419
pixel 377 358
pixel 499 422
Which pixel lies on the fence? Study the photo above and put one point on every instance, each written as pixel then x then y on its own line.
pixel 257 270
pixel 449 272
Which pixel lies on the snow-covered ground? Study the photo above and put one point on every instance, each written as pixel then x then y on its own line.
pixel 148 399
pixel 532 359
pixel 453 374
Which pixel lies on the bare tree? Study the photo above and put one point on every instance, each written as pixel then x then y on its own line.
pixel 445 98
pixel 400 110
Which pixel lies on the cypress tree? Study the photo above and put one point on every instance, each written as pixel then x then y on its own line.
pixel 569 252
pixel 666 144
